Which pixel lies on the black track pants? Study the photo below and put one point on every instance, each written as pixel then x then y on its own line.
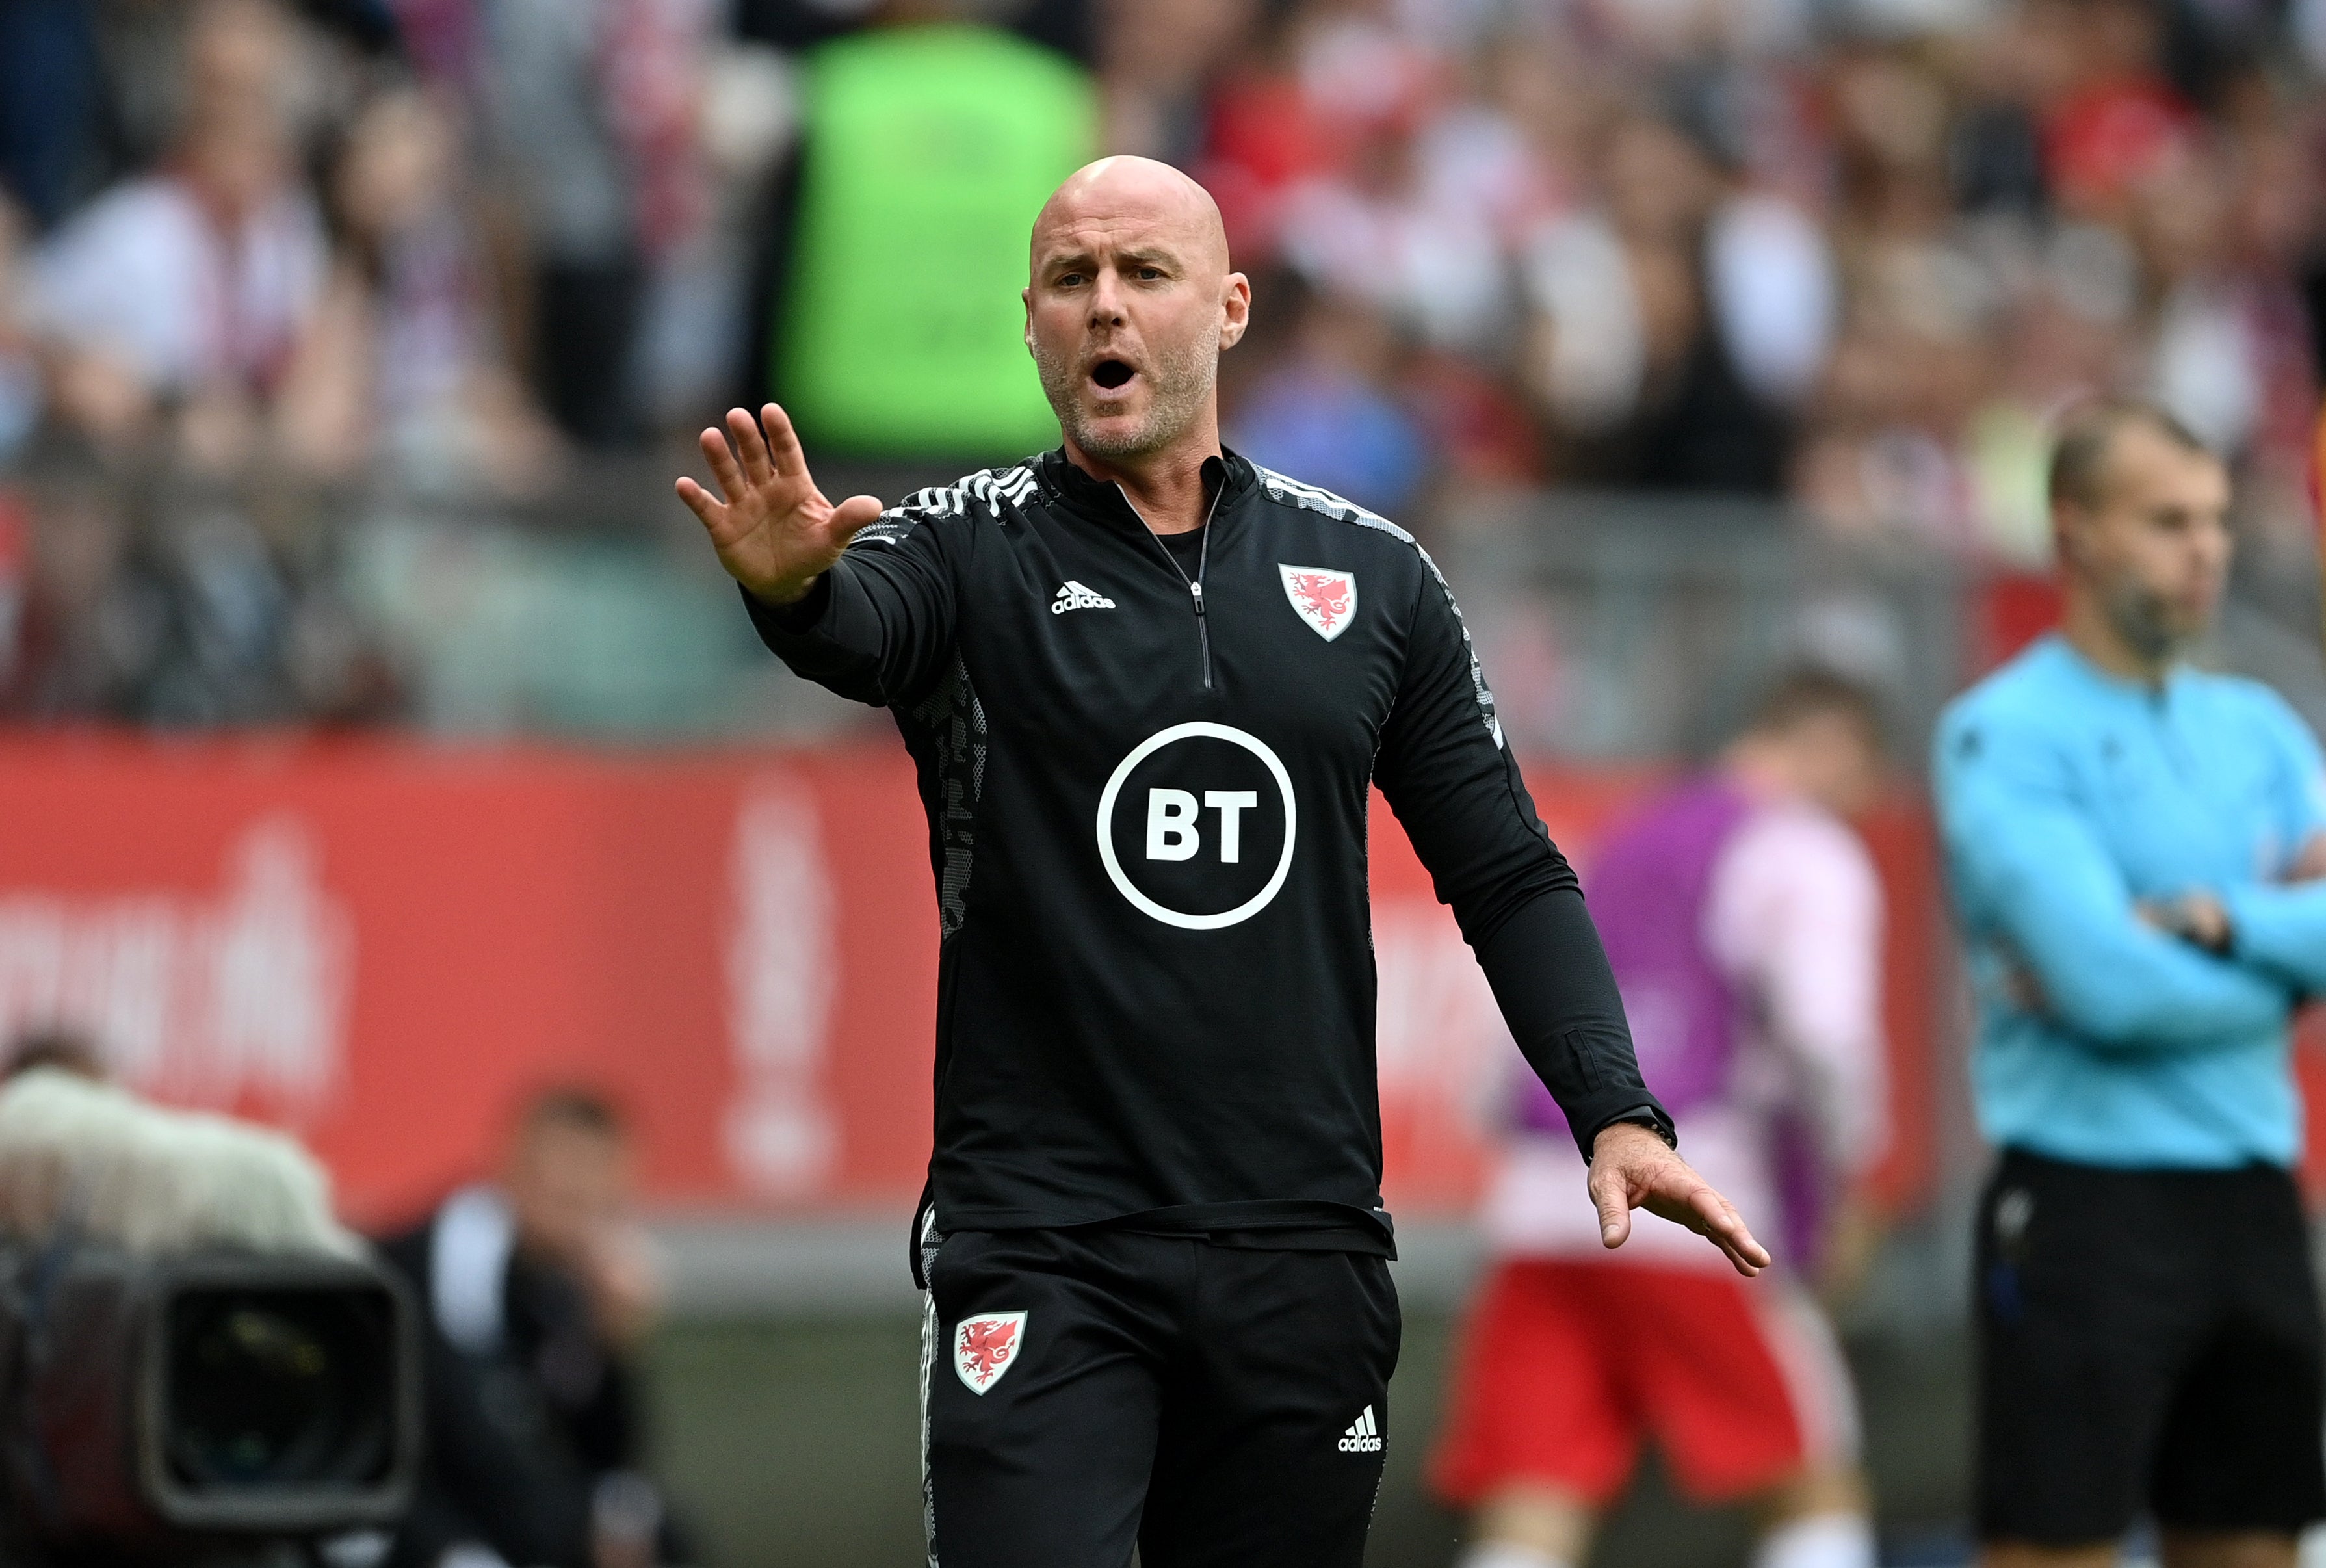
pixel 1224 1408
pixel 2149 1341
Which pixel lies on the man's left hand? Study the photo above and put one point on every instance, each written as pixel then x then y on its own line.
pixel 1632 1168
pixel 2198 918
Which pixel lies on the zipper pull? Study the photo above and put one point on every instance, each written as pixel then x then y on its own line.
pixel 1197 590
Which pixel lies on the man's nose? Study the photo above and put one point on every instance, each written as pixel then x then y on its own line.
pixel 1106 300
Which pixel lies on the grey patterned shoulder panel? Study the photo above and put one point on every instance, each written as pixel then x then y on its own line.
pixel 988 489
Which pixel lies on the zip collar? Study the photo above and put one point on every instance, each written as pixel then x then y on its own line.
pixel 1227 477
pixel 1203 562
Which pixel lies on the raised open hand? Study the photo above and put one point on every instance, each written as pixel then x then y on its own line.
pixel 774 530
pixel 1631 1168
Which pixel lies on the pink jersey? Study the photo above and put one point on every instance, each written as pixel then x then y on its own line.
pixel 1792 918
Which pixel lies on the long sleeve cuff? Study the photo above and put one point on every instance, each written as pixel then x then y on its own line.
pixel 835 628
pixel 782 627
pixel 1558 994
pixel 2282 930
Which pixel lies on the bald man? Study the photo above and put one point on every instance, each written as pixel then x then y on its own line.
pixel 1148 687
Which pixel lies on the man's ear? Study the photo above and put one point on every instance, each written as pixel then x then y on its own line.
pixel 2067 521
pixel 1236 305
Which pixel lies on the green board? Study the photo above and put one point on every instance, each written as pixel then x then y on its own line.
pixel 929 151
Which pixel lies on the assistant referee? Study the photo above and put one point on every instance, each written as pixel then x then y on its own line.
pixel 1148 687
pixel 2135 848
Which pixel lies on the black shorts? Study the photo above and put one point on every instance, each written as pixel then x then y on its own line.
pixel 1083 1390
pixel 2147 1340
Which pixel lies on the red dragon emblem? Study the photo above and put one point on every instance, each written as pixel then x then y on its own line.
pixel 1328 596
pixel 1326 599
pixel 982 1348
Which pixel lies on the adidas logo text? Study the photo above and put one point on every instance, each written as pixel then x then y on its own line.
pixel 1364 1436
pixel 1073 595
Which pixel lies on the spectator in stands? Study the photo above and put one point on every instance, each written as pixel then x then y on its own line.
pixel 1401 215
pixel 65 652
pixel 51 88
pixel 1159 57
pixel 21 394
pixel 173 609
pixel 1676 318
pixel 1330 410
pixel 190 289
pixel 537 1291
pixel 1719 245
pixel 406 363
pixel 588 114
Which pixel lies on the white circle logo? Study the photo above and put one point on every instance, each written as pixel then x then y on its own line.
pixel 1172 834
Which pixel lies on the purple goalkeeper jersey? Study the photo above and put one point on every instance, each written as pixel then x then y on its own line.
pixel 1649 884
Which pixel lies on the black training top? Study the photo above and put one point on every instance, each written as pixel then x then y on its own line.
pixel 1147 780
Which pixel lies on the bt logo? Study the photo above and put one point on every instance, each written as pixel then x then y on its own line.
pixel 1172 833
pixel 1193 847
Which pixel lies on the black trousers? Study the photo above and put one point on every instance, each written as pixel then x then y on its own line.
pixel 1084 1389
pixel 2149 1341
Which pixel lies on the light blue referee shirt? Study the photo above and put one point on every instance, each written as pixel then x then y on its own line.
pixel 2064 794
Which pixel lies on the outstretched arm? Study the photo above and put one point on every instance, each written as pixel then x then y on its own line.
pixel 1443 767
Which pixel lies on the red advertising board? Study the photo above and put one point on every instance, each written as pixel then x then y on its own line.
pixel 385 945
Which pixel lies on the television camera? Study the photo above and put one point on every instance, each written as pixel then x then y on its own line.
pixel 197 1365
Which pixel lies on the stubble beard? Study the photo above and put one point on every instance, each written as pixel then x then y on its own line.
pixel 1179 388
pixel 2147 623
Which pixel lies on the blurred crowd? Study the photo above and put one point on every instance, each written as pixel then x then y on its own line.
pixel 1853 255
pixel 1850 256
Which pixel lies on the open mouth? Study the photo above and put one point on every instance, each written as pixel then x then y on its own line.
pixel 1111 374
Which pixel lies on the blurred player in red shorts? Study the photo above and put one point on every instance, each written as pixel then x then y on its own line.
pixel 1757 1022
